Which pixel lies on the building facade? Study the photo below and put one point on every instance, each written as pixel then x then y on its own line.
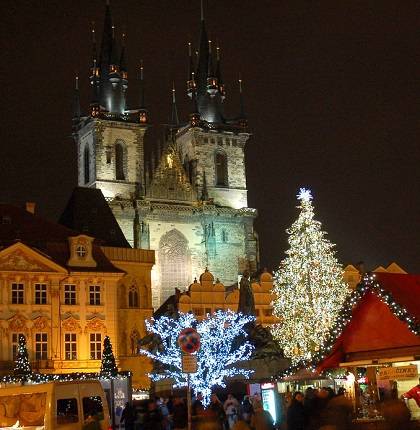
pixel 65 293
pixel 188 200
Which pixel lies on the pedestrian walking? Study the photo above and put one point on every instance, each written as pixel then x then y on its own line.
pixel 261 419
pixel 296 413
pixel 179 414
pixel 128 416
pixel 231 408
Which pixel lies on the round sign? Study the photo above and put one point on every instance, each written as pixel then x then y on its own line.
pixel 189 340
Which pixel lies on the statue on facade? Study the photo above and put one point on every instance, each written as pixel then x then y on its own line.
pixel 246 296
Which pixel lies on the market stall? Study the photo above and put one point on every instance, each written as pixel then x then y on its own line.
pixel 377 345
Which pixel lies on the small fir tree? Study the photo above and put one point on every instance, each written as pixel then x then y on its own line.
pixel 22 367
pixel 308 286
pixel 108 367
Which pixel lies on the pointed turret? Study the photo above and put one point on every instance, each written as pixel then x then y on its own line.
pixel 95 76
pixel 123 59
pixel 191 83
pixel 76 101
pixel 143 112
pixel 195 114
pixel 114 65
pixel 242 120
pixel 174 113
pixel 212 85
pixel 203 58
pixel 222 89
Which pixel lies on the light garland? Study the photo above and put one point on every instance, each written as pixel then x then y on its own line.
pixel 216 357
pixel 369 284
pixel 308 286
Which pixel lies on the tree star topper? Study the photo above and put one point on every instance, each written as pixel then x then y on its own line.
pixel 304 195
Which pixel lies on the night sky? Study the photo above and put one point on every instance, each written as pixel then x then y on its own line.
pixel 331 92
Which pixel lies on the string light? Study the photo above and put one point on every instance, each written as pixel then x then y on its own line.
pixel 108 367
pixel 218 353
pixel 308 286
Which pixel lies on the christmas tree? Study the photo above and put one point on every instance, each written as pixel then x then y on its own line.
pixel 308 285
pixel 22 368
pixel 108 367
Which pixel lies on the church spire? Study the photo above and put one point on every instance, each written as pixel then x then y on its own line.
pixel 191 84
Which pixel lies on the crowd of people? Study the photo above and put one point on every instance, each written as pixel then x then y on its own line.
pixel 323 409
pixel 172 414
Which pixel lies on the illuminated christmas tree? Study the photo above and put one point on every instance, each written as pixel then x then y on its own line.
pixel 108 367
pixel 309 287
pixel 22 367
pixel 216 357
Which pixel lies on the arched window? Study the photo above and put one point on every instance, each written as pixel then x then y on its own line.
pixel 221 169
pixel 86 157
pixel 133 297
pixel 175 263
pixel 119 162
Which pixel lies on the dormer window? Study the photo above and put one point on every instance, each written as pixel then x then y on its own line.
pixel 81 251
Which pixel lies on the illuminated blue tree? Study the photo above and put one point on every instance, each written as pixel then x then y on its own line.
pixel 217 356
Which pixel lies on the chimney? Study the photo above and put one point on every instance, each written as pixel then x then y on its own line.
pixel 30 207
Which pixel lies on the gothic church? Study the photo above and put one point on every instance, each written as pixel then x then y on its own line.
pixel 191 206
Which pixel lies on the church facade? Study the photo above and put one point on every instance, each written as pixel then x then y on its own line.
pixel 190 205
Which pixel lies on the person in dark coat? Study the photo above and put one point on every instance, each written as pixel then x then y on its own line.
pixel 153 417
pixel 179 414
pixel 296 413
pixel 128 416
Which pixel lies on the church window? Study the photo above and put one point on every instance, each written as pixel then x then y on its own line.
pixel 221 169
pixel 87 164
pixel 224 236
pixel 206 140
pixel 17 294
pixel 227 141
pixel 108 155
pixel 119 162
pixel 175 263
pixel 6 219
pixel 234 142
pixel 133 297
pixel 219 141
pixel 212 140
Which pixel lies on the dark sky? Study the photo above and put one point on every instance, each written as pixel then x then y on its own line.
pixel 331 92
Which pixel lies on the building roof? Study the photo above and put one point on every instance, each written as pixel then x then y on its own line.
pixel 47 237
pixel 382 314
pixel 87 211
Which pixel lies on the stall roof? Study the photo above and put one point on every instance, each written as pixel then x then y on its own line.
pixel 384 318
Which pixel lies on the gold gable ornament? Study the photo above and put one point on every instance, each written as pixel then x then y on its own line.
pixel 95 325
pixel 18 324
pixel 71 325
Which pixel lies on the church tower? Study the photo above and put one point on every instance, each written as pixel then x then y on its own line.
pixel 110 138
pixel 188 202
